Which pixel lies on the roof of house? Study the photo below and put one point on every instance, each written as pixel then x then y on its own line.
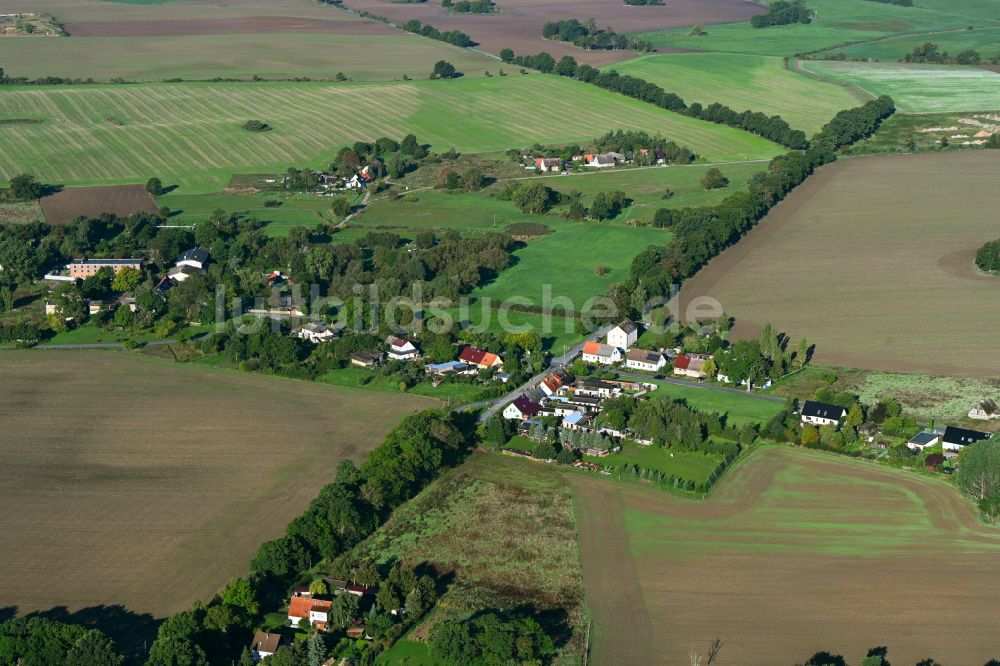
pixel 448 365
pixel 301 606
pixel 682 362
pixel 924 438
pixel 823 410
pixel 596 383
pixel 987 406
pixel 644 355
pixel 526 406
pixel 596 348
pixel 963 436
pixel 574 418
pixel 393 341
pixel 187 270
pixel 198 254
pixel 317 327
pixel 556 380
pixel 369 355
pixel 627 326
pixel 478 357
pixel 264 641
pixel 109 262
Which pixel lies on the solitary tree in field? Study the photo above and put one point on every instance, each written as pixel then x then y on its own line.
pixel 713 180
pixel 340 206
pixel 444 70
pixel 154 186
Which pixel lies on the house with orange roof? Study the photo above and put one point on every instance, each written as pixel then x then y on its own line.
pixel 307 607
pixel 596 352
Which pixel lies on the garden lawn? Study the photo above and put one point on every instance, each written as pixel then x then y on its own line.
pixel 406 653
pixel 691 466
pixel 918 88
pixel 738 408
pixel 362 378
pixel 566 260
pixel 439 210
pixel 759 83
pixel 191 133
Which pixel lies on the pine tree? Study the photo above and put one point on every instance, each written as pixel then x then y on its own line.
pixel 316 649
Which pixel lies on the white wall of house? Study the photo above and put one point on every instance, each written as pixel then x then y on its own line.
pixel 643 365
pixel 619 338
pixel 819 420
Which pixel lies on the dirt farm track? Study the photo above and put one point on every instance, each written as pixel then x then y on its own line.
pixel 872 259
pixel 796 552
pixel 147 484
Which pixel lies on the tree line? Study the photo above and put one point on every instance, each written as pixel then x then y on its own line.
pixel 928 52
pixel 470 6
pixel 773 128
pixel 454 37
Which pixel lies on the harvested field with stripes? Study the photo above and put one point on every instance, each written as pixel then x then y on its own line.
pixel 178 132
pixel 796 551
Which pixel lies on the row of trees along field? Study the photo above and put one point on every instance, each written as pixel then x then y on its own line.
pixel 773 128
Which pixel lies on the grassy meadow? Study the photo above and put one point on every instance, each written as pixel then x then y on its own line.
pixel 693 466
pixel 191 134
pixel 918 88
pixel 567 260
pixel 306 210
pixel 986 40
pixel 738 408
pixel 506 530
pixel 740 81
pixel 646 186
pixel 786 529
pixel 837 22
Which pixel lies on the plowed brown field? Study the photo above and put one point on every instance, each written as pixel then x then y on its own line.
pixel 70 203
pixel 796 552
pixel 872 260
pixel 146 484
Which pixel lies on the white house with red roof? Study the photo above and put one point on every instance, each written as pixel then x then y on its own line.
pixel 401 349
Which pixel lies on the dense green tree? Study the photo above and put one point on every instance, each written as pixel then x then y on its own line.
pixel 176 652
pixel 154 186
pixel 714 179
pixel 444 70
pixel 24 187
pixel 979 472
pixel 344 610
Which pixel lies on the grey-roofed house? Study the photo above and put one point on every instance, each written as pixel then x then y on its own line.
pixel 196 257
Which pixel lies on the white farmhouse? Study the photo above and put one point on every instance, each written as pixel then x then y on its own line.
pixel 623 335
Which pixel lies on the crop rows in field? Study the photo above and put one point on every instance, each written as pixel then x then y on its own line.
pixel 176 131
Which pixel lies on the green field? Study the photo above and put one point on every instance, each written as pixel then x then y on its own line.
pixel 918 88
pixel 646 186
pixel 439 210
pixel 838 22
pixel 692 466
pixel 566 260
pixel 406 653
pixel 269 55
pixel 305 210
pixel 760 83
pixel 191 133
pixel 984 40
pixel 738 408
pixel 557 332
